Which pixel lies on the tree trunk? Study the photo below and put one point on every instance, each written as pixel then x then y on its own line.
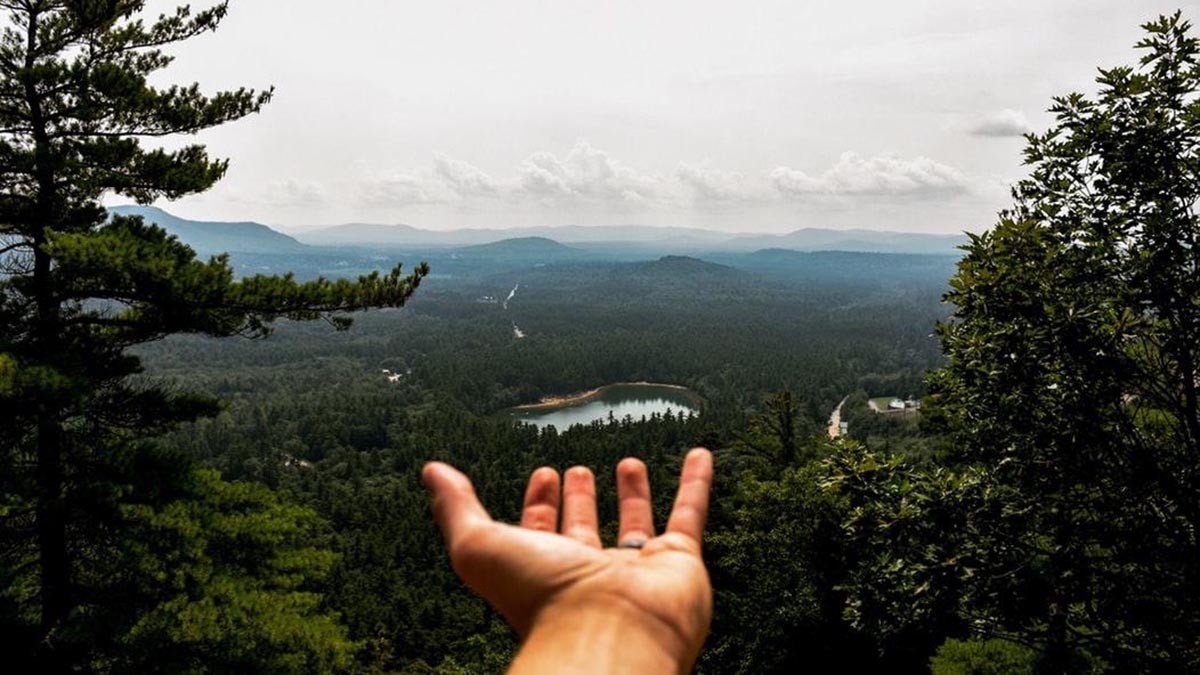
pixel 1056 659
pixel 1191 408
pixel 51 526
pixel 50 509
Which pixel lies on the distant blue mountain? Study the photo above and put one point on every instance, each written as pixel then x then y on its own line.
pixel 519 246
pixel 845 267
pixel 680 265
pixel 566 242
pixel 865 241
pixel 624 239
pixel 216 237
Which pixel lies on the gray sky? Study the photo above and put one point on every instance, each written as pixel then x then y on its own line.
pixel 739 116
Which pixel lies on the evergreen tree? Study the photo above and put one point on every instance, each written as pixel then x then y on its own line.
pixel 78 290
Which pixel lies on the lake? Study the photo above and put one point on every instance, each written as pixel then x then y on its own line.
pixel 636 400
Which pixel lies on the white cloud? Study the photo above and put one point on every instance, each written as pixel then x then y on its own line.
pixel 590 177
pixel 884 175
pixel 586 173
pixel 464 179
pixel 408 189
pixel 448 181
pixel 712 184
pixel 1001 123
pixel 542 175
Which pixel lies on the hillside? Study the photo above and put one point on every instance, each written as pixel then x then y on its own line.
pixel 216 237
pixel 846 267
pixel 525 247
pixel 676 266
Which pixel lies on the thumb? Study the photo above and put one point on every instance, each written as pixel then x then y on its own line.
pixel 456 509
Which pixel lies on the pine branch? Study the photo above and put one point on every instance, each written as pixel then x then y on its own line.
pixel 13 247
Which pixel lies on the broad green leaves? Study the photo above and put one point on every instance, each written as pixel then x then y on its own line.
pixel 1072 376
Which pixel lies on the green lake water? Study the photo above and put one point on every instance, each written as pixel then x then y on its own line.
pixel 619 401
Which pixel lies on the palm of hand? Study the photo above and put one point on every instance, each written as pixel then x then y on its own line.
pixel 532 570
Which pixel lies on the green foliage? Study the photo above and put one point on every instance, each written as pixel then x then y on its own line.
pixel 1072 379
pixel 777 561
pixel 154 286
pixel 1060 508
pixel 909 532
pixel 983 657
pixel 231 571
pixel 775 435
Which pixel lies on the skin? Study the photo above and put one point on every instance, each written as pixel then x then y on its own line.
pixel 579 607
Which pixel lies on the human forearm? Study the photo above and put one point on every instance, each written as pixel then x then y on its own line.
pixel 596 639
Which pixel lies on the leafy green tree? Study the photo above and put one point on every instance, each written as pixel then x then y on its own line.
pixel 985 657
pixel 1073 376
pixel 908 533
pixel 78 290
pixel 777 561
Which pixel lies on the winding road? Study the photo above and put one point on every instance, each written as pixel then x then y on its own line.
pixel 835 420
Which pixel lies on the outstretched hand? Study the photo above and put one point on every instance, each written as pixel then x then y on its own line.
pixel 579 607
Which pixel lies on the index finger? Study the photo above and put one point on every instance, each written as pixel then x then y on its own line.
pixel 691 503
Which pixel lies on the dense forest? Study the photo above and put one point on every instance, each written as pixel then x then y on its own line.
pixel 206 468
pixel 309 414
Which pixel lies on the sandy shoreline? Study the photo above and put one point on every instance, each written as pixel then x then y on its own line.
pixel 551 402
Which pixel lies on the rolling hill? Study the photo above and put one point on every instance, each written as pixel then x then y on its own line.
pixel 851 268
pixel 531 248
pixel 216 237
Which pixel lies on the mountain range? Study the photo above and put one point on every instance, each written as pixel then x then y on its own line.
pixel 645 237
pixel 251 237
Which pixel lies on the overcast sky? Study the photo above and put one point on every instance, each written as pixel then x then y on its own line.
pixel 739 116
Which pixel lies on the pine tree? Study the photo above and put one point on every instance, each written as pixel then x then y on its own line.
pixel 79 289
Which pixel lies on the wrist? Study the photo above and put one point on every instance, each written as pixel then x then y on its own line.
pixel 610 636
